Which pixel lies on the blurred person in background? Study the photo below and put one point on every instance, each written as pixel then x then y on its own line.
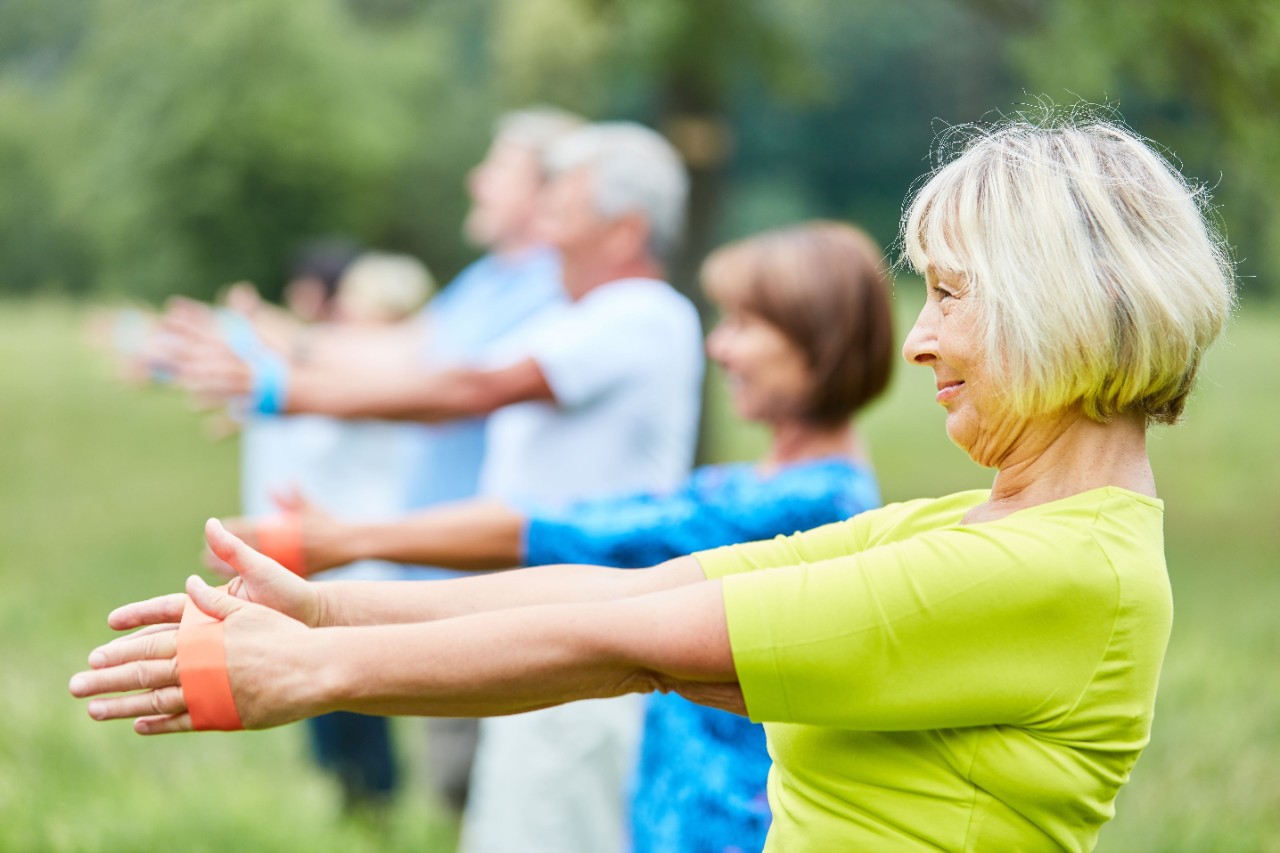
pixel 592 396
pixel 382 288
pixel 353 467
pixel 805 342
pixel 269 457
pixel 518 278
pixel 971 672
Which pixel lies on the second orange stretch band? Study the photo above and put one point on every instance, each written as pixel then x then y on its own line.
pixel 202 672
pixel 280 538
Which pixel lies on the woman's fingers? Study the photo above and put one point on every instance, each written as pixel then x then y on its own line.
pixel 159 643
pixel 153 611
pixel 125 677
pixel 163 725
pixel 218 603
pixel 167 701
pixel 217 565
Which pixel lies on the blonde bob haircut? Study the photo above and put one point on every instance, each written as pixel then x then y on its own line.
pixel 1096 275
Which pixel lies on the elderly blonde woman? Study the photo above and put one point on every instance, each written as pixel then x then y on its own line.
pixel 972 672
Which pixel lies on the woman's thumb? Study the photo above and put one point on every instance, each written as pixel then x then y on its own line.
pixel 232 550
pixel 214 602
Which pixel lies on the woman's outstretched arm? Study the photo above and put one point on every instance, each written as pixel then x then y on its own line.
pixel 349 603
pixel 499 662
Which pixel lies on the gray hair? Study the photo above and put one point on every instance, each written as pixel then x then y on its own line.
pixel 537 127
pixel 636 170
pixel 1099 277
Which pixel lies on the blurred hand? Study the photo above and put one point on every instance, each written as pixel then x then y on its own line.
pixel 268 683
pixel 243 298
pixel 134 341
pixel 204 362
pixel 323 535
pixel 255 578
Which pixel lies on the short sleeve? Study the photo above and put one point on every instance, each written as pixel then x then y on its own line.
pixel 809 546
pixel 720 505
pixel 856 534
pixel 612 334
pixel 958 627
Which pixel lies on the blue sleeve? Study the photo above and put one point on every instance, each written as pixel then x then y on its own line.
pixel 719 506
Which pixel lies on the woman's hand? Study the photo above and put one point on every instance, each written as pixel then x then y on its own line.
pixel 325 539
pixel 270 681
pixel 254 578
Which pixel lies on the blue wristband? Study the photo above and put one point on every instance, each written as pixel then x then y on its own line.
pixel 269 381
pixel 270 384
pixel 238 332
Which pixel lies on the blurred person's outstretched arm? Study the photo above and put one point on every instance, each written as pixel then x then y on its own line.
pixel 470 535
pixel 415 395
pixel 208 365
pixel 330 345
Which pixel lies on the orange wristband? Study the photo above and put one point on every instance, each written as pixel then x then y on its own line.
pixel 202 672
pixel 280 538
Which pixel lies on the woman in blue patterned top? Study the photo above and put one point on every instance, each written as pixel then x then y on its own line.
pixel 805 342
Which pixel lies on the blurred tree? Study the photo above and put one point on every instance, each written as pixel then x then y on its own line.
pixel 671 64
pixel 39 249
pixel 1201 78
pixel 197 142
pixel 169 147
pixel 212 136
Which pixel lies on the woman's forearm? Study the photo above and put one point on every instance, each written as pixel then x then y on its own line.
pixel 529 657
pixel 470 535
pixel 500 662
pixel 354 603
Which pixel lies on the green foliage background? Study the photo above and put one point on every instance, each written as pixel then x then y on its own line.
pixel 152 148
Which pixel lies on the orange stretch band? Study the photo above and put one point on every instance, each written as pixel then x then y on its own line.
pixel 280 538
pixel 202 672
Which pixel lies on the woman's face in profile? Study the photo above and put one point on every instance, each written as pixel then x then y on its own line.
pixel 768 375
pixel 946 338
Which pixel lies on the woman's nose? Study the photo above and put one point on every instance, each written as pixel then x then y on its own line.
pixel 921 345
pixel 717 343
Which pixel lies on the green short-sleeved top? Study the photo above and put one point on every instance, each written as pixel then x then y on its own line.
pixel 931 685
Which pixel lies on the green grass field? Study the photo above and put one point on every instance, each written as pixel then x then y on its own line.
pixel 104 489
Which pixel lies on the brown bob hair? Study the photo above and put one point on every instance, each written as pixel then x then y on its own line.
pixel 824 286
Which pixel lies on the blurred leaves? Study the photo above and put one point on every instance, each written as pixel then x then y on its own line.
pixel 152 148
pixel 193 142
pixel 1201 78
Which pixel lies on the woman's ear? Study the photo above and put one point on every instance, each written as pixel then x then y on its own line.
pixel 628 235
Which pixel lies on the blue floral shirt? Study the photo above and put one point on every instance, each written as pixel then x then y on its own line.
pixel 701 781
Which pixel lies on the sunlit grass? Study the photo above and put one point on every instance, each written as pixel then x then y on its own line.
pixel 103 490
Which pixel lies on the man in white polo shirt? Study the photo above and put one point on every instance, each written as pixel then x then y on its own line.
pixel 623 364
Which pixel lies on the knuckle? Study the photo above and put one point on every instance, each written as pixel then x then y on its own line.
pixel 140 679
pixel 167 701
